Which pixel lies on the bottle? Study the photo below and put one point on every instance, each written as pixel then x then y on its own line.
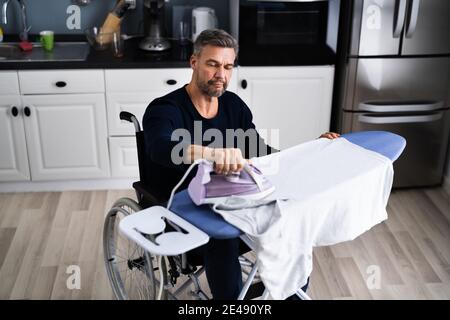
pixel 1 34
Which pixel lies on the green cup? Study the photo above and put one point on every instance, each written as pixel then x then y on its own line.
pixel 47 40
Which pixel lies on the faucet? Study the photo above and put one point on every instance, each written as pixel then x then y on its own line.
pixel 24 34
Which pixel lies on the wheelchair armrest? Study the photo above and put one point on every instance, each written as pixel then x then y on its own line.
pixel 151 199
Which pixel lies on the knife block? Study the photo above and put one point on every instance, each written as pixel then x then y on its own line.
pixel 110 26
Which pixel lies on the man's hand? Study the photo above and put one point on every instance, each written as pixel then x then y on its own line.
pixel 226 160
pixel 330 135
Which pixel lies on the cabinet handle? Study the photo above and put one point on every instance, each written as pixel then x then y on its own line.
pixel 61 84
pixel 171 82
pixel 244 84
pixel 14 111
pixel 27 111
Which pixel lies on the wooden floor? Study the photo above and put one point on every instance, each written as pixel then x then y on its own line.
pixel 406 257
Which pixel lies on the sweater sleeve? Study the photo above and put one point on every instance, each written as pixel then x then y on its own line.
pixel 159 123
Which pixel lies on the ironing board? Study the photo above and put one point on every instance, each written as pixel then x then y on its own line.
pixel 201 223
pixel 197 224
pixel 203 217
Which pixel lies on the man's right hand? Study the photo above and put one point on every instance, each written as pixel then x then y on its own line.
pixel 226 160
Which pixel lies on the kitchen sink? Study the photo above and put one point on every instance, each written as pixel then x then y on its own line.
pixel 62 51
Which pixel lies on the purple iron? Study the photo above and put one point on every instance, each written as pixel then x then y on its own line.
pixel 209 188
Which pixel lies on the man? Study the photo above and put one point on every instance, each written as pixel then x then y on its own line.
pixel 204 103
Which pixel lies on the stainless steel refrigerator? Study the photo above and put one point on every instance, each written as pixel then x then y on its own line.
pixel 394 75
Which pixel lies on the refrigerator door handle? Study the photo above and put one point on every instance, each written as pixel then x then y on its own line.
pixel 366 118
pixel 401 107
pixel 399 19
pixel 412 18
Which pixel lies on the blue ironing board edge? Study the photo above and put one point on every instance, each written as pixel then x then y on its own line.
pixel 213 224
pixel 388 144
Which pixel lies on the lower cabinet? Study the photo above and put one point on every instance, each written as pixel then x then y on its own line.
pixel 64 124
pixel 123 155
pixel 13 155
pixel 290 105
pixel 66 136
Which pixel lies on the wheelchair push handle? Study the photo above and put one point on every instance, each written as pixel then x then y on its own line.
pixel 127 116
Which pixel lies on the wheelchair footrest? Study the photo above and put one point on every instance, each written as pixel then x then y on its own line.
pixel 147 226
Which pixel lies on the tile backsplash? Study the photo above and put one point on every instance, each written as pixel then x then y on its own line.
pixel 61 15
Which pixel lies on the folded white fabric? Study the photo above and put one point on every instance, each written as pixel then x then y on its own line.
pixel 327 191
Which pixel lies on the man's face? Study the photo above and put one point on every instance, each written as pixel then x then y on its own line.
pixel 212 69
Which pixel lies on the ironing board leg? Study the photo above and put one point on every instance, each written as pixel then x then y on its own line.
pixel 302 294
pixel 248 282
pixel 265 295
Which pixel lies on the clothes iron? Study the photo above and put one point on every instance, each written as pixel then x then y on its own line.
pixel 210 188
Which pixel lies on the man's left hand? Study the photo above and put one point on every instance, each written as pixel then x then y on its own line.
pixel 330 135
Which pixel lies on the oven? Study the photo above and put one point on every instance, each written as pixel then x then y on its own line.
pixel 282 32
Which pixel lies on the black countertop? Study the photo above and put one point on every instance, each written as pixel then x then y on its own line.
pixel 176 57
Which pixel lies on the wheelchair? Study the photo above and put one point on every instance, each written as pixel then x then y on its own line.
pixel 135 273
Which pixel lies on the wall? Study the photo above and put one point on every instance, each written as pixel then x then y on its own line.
pixel 51 15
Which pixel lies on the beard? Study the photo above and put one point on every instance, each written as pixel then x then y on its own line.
pixel 209 88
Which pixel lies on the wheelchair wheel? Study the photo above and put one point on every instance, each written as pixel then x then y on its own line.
pixel 134 274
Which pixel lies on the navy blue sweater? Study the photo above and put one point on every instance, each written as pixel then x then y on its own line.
pixel 175 110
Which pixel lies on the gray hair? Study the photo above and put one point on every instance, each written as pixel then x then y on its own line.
pixel 215 37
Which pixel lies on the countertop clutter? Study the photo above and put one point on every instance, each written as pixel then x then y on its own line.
pixel 176 57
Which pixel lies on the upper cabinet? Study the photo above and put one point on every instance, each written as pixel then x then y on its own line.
pixel 290 105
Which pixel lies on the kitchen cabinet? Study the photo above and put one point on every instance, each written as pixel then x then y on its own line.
pixel 13 155
pixel 290 105
pixel 132 90
pixel 66 136
pixel 57 130
pixel 61 125
pixel 123 155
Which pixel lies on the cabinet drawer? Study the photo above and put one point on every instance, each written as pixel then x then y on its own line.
pixel 61 81
pixel 123 155
pixel 9 83
pixel 134 80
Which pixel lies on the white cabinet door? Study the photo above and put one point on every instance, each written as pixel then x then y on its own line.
pixel 124 158
pixel 66 136
pixel 293 101
pixel 136 103
pixel 9 83
pixel 13 148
